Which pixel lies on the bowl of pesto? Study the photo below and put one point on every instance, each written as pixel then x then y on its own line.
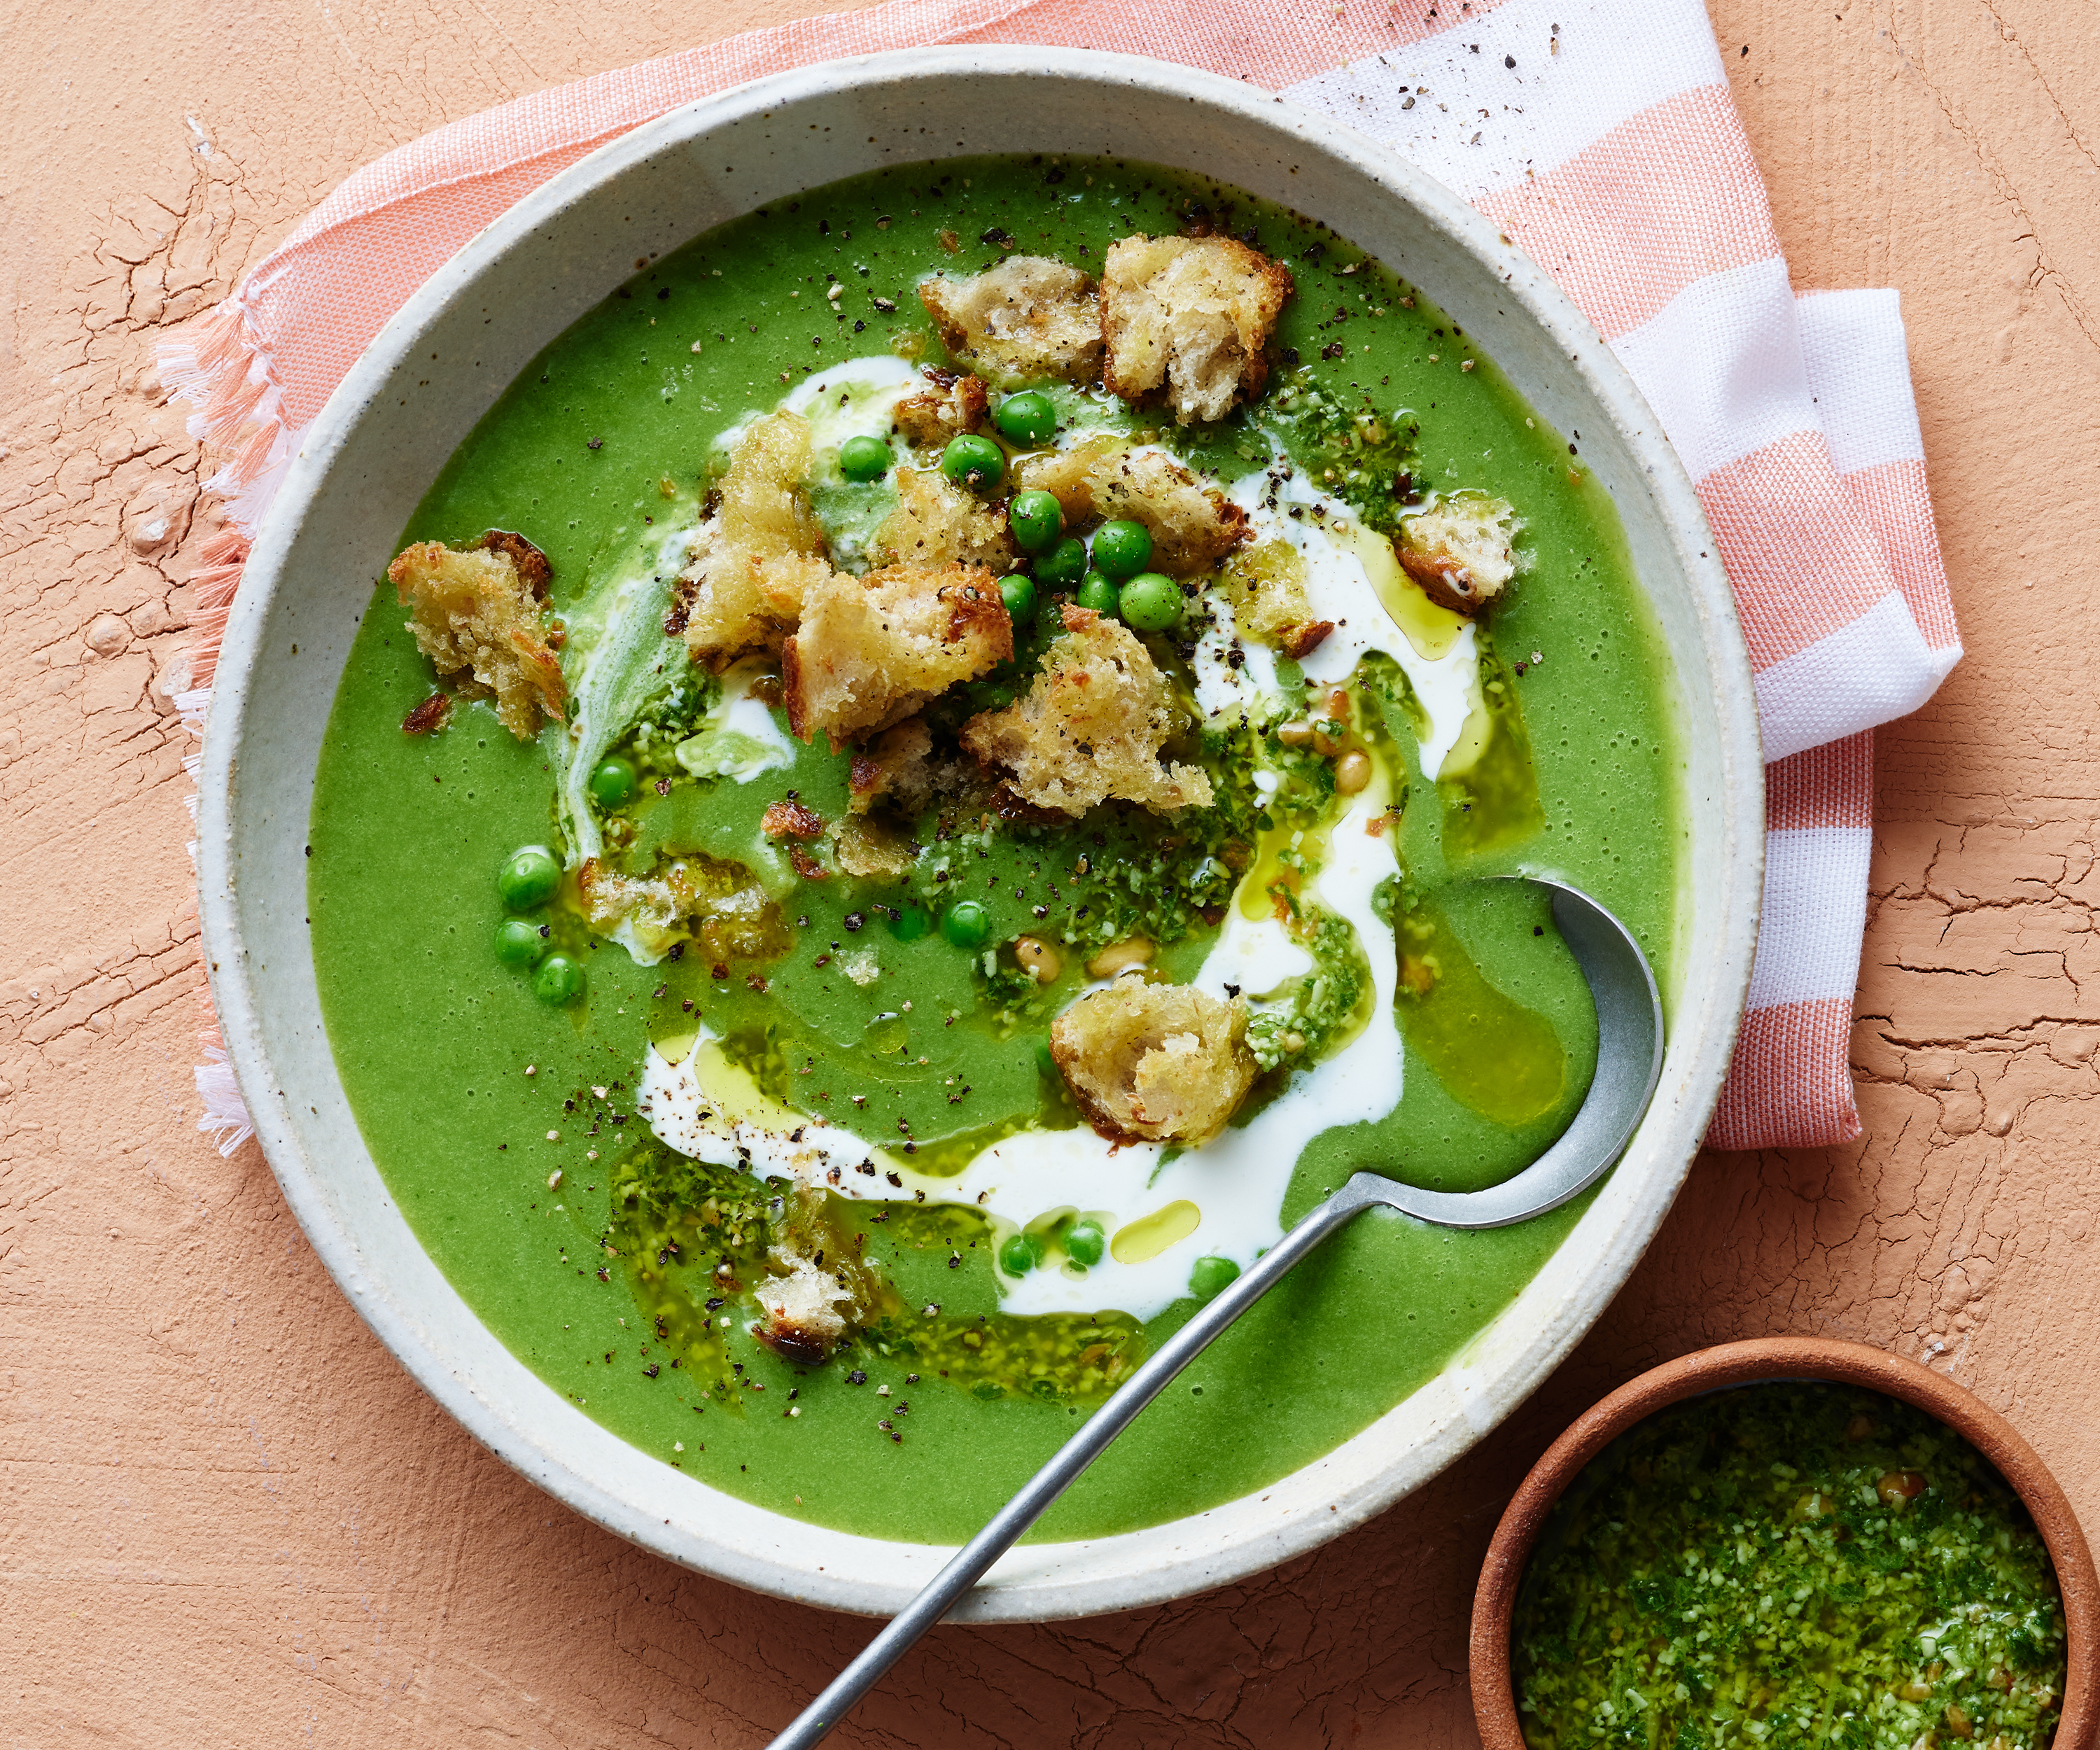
pixel 873 740
pixel 1794 1540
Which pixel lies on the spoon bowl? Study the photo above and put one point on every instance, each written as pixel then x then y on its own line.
pixel 1630 1041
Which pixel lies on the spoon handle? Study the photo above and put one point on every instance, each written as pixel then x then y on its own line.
pixel 969 1562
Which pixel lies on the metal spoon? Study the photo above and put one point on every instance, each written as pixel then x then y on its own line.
pixel 1629 1064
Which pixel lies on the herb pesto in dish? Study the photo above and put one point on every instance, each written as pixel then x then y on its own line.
pixel 939 792
pixel 1790 1564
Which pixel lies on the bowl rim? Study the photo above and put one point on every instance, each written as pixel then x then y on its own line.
pixel 1765 1361
pixel 520 1419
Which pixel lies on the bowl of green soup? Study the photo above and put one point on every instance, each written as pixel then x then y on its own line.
pixel 875 738
pixel 1789 1540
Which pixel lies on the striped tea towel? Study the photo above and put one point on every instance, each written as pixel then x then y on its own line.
pixel 1601 135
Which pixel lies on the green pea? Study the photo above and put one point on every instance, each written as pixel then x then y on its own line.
pixel 1085 1242
pixel 613 784
pixel 1152 601
pixel 529 879
pixel 1098 593
pixel 973 461
pixel 1122 549
pixel 1029 417
pixel 864 458
pixel 966 924
pixel 1211 1277
pixel 1017 1256
pixel 910 924
pixel 1034 520
pixel 1017 590
pixel 559 980
pixel 1065 564
pixel 518 943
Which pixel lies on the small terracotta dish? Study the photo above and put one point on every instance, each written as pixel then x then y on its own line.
pixel 1772 1359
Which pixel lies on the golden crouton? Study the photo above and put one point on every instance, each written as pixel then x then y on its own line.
pixel 481 612
pixel 874 846
pixel 716 902
pixel 1265 586
pixel 938 523
pixel 898 763
pixel 948 407
pixel 1459 551
pixel 1154 1062
pixel 872 651
pixel 758 553
pixel 822 1291
pixel 1027 319
pixel 1091 727
pixel 1192 526
pixel 1189 318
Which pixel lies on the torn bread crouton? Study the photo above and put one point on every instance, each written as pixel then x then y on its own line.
pixel 938 523
pixel 822 1293
pixel 1188 318
pixel 1154 1062
pixel 716 902
pixel 480 611
pixel 1091 727
pixel 758 553
pixel 873 847
pixel 1265 586
pixel 1460 551
pixel 872 651
pixel 898 770
pixel 1028 319
pixel 1192 526
pixel 949 406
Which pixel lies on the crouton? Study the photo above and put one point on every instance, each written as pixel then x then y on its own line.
pixel 758 553
pixel 869 651
pixel 480 611
pixel 1265 587
pixel 1459 551
pixel 822 1293
pixel 1091 727
pixel 898 770
pixel 1154 1063
pixel 1029 318
pixel 1188 318
pixel 1192 526
pixel 948 407
pixel 716 902
pixel 938 522
pixel 873 847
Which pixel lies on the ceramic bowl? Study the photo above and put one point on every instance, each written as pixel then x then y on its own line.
pixel 363 464
pixel 1787 1358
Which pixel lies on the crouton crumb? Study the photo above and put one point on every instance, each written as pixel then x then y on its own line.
pixel 1188 318
pixel 758 553
pixel 949 406
pixel 1192 526
pixel 1091 727
pixel 1154 1062
pixel 872 651
pixel 1265 587
pixel 938 523
pixel 1028 319
pixel 481 611
pixel 873 847
pixel 1460 551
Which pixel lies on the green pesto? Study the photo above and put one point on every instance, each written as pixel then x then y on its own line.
pixel 1789 1565
pixel 601 1281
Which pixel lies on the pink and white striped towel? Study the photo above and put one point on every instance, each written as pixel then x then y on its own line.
pixel 1599 133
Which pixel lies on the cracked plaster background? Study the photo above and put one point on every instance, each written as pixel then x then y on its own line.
pixel 229 1518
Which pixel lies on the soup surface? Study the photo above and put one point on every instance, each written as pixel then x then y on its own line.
pixel 763 1092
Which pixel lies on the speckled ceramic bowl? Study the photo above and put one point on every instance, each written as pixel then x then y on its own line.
pixel 364 463
pixel 1784 1358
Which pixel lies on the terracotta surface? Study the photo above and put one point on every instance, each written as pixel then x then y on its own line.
pixel 1772 1358
pixel 229 1518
